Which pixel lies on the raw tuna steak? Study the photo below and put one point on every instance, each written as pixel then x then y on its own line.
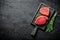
pixel 41 20
pixel 45 11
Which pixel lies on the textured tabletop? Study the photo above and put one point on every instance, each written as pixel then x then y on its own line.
pixel 16 16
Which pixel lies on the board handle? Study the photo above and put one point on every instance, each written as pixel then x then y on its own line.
pixel 34 31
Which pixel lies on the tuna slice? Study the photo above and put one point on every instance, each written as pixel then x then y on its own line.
pixel 45 11
pixel 41 20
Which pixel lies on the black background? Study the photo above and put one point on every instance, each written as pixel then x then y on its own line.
pixel 16 16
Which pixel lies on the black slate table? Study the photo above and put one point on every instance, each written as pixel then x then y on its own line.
pixel 16 16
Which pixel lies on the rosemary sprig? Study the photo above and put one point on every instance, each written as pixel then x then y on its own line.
pixel 51 23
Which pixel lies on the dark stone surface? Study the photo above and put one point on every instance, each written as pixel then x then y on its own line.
pixel 16 16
